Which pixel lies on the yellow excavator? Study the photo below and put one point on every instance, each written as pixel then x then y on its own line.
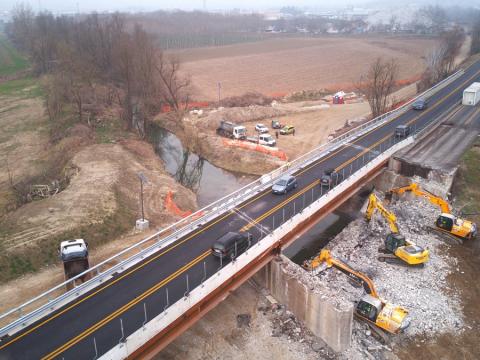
pixel 371 307
pixel 398 249
pixel 446 222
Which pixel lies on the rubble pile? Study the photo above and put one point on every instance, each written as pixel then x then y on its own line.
pixel 284 324
pixel 423 291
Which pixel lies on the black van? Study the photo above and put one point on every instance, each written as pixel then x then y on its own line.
pixel 224 247
pixel 402 131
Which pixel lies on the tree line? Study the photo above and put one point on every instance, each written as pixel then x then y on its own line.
pixel 96 61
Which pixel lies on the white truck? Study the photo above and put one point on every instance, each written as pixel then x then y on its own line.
pixel 231 130
pixel 263 139
pixel 471 95
pixel 74 255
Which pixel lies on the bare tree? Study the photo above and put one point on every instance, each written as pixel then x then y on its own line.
pixel 174 89
pixel 441 61
pixel 475 46
pixel 378 84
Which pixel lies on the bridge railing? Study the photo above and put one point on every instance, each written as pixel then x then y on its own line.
pixel 23 315
pixel 201 280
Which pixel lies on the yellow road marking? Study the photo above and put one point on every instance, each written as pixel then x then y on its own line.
pixel 279 206
pixel 125 307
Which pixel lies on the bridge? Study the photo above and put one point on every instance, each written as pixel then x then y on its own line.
pixel 141 299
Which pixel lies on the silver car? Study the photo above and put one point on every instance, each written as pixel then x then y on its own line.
pixel 284 184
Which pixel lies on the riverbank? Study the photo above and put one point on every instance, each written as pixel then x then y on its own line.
pixel 314 122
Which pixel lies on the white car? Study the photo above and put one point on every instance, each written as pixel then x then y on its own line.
pixel 261 128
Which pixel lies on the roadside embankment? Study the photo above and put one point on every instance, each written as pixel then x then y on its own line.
pixel 100 203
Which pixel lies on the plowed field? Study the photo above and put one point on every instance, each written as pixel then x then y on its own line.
pixel 294 64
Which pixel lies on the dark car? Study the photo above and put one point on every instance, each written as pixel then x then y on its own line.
pixel 284 184
pixel 231 244
pixel 402 131
pixel 330 178
pixel 419 104
pixel 276 124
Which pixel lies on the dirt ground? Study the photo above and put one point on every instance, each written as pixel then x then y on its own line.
pixel 102 170
pixel 23 142
pixel 313 128
pixel 314 122
pixel 294 64
pixel 217 336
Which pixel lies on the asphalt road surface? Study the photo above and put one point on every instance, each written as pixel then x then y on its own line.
pixel 100 315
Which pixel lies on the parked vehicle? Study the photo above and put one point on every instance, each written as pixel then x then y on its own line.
pixel 74 255
pixel 231 244
pixel 263 139
pixel 231 130
pixel 419 104
pixel 284 184
pixel 330 178
pixel 402 131
pixel 288 129
pixel 262 129
pixel 276 124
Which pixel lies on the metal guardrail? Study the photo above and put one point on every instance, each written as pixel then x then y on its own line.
pixel 48 302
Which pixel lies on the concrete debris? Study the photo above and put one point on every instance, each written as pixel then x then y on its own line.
pixel 434 308
pixel 284 324
pixel 243 320
pixel 423 291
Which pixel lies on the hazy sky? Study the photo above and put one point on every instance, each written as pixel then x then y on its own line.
pixel 88 5
pixel 102 5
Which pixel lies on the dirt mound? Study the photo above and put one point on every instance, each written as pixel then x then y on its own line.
pixel 91 196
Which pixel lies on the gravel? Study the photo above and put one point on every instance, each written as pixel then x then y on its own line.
pixel 433 306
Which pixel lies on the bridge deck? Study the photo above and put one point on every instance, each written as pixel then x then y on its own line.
pixel 70 331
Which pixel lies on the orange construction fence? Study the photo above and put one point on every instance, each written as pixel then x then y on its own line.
pixel 174 209
pixel 255 147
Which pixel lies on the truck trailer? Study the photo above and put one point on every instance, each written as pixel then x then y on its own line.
pixel 471 95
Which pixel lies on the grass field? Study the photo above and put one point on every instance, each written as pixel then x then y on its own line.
pixel 11 61
pixel 467 186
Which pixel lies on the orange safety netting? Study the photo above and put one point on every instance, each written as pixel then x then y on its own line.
pixel 255 147
pixel 173 208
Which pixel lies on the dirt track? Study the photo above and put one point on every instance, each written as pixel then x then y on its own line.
pixel 294 64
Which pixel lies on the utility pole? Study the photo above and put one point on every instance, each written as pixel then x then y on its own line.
pixel 142 224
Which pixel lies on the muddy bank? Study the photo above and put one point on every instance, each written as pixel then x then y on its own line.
pixel 207 181
pixel 208 145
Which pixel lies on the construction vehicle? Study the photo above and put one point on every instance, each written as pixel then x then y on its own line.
pixel 74 255
pixel 262 139
pixel 446 223
pixel 371 307
pixel 231 130
pixel 397 248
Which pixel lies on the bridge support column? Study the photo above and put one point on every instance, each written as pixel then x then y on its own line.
pixel 332 325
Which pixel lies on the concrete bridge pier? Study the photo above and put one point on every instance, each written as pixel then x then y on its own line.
pixel 320 316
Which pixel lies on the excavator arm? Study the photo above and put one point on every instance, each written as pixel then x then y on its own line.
pixel 326 258
pixel 417 191
pixel 374 203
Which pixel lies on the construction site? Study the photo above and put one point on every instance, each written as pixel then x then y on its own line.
pixel 230 198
